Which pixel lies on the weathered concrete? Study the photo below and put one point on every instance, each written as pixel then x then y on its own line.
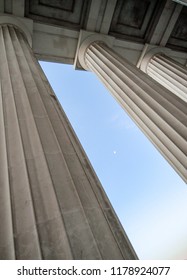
pixel 52 205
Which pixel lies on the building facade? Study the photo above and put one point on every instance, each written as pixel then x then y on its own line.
pixel 52 205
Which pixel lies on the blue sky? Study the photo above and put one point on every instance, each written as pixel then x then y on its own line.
pixel 148 196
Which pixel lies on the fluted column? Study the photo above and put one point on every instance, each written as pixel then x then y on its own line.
pixel 52 205
pixel 167 72
pixel 160 114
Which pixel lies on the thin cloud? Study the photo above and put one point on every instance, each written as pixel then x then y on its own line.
pixel 122 121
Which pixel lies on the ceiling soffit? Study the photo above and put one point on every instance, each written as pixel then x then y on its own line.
pixel 70 14
pixel 133 20
pixel 178 38
pixel 130 20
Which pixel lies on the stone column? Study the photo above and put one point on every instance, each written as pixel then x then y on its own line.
pixel 167 72
pixel 159 113
pixel 52 205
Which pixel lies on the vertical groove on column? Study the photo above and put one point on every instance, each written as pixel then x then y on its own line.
pixel 25 234
pixel 158 112
pixel 169 73
pixel 6 230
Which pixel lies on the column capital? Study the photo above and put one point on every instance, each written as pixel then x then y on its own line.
pixel 86 38
pixel 159 64
pixel 23 24
pixel 153 51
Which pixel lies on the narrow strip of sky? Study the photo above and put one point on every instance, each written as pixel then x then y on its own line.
pixel 146 193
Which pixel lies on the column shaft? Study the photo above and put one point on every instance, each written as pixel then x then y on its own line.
pixel 52 205
pixel 168 73
pixel 160 114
